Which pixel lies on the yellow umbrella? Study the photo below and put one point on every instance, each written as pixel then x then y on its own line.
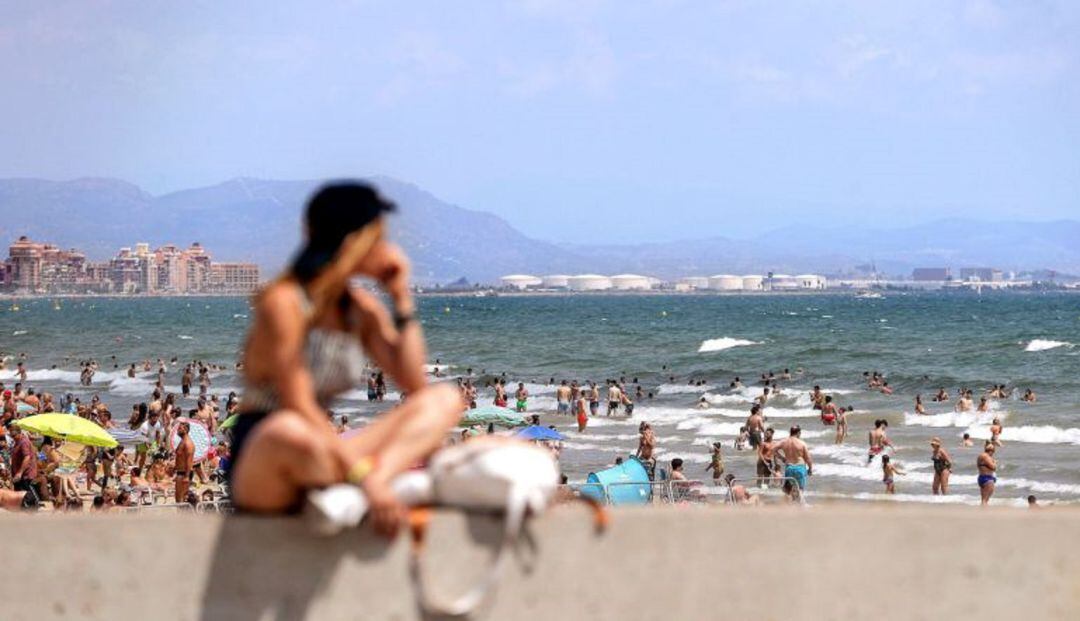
pixel 68 427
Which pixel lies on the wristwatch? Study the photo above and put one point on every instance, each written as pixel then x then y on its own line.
pixel 403 319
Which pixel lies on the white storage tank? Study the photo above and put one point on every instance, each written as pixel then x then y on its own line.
pixel 556 281
pixel 753 282
pixel 589 282
pixel 695 282
pixel 783 282
pixel 631 282
pixel 811 281
pixel 726 282
pixel 520 281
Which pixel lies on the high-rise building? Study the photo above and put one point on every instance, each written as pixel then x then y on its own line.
pixel 43 268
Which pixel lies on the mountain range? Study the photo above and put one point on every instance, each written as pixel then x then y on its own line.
pixel 259 220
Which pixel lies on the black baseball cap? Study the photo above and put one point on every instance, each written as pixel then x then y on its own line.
pixel 337 210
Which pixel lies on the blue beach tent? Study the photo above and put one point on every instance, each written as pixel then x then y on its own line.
pixel 624 484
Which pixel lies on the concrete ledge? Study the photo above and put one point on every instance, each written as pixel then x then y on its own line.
pixel 821 563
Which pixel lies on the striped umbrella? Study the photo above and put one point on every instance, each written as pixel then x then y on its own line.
pixel 128 437
pixel 198 433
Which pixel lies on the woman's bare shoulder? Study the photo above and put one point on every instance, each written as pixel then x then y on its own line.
pixel 281 295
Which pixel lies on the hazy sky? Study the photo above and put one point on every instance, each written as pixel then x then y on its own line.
pixel 579 120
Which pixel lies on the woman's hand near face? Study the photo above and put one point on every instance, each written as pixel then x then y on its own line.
pixel 387 264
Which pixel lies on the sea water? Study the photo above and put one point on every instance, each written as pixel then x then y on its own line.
pixel 920 341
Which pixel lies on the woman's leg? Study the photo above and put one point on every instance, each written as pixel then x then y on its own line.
pixel 409 432
pixel 283 456
pixel 945 482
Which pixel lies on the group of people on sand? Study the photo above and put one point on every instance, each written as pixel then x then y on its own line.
pixel 125 476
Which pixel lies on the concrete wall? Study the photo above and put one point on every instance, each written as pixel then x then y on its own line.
pixel 677 563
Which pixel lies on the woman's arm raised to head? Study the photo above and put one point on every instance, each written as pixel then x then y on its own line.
pixel 399 351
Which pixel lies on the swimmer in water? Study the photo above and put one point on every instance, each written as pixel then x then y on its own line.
pixel 919 407
pixel 964 404
pixel 941 396
pixel 966 441
pixel 1029 396
pixel 984 405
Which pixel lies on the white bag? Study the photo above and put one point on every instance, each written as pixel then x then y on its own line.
pixel 487 474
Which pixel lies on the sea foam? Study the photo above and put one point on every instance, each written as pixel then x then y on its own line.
pixel 1035 434
pixel 722 343
pixel 1045 344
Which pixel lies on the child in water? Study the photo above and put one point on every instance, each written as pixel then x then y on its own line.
pixel 717 465
pixel 744 437
pixel 889 471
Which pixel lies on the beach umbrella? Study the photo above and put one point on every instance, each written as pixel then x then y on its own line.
pixel 68 427
pixel 25 408
pixel 128 437
pixel 198 433
pixel 537 432
pixel 491 414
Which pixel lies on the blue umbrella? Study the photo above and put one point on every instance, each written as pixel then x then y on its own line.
pixel 536 432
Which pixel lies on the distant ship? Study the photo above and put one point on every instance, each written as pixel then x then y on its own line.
pixel 868 295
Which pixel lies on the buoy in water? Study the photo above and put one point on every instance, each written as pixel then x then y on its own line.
pixel 663 313
pixel 446 309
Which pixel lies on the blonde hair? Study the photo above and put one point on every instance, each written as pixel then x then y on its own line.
pixel 333 280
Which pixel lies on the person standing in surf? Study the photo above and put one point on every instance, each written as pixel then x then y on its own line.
pixel 987 466
pixel 889 472
pixel 878 440
pixel 581 410
pixel 942 468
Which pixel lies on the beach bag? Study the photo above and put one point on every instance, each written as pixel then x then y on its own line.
pixel 511 477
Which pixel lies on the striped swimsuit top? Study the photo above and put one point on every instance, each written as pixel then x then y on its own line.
pixel 335 360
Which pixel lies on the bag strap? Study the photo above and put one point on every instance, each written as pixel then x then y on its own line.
pixel 517 510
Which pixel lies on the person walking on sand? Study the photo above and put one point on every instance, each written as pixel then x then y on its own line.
pixel 942 467
pixel 987 466
pixel 184 465
pixel 889 471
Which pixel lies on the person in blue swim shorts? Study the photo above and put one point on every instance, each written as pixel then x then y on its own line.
pixel 797 457
pixel 987 472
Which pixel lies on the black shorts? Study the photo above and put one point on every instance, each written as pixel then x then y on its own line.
pixel 755 438
pixel 247 423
